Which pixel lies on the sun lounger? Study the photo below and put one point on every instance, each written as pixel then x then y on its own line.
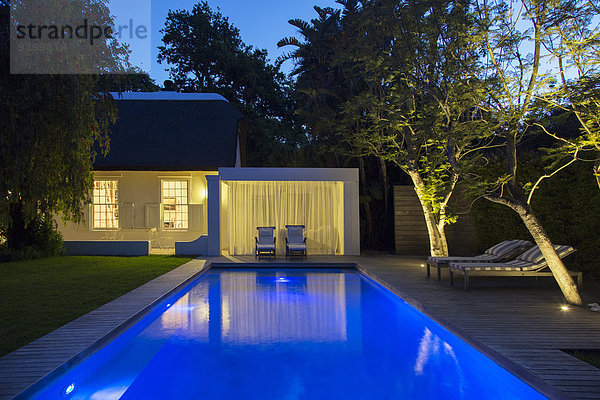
pixel 295 243
pixel 265 242
pixel 505 250
pixel 530 263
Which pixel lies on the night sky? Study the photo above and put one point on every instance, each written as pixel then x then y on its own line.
pixel 261 23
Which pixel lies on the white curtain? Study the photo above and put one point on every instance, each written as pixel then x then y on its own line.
pixel 316 205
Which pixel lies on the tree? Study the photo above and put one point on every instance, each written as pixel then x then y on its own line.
pixel 516 82
pixel 133 81
pixel 405 95
pixel 49 126
pixel 574 43
pixel 321 86
pixel 207 54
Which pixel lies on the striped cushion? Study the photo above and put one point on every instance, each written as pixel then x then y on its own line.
pixel 521 263
pixel 534 255
pixel 496 247
pixel 508 247
pixel 491 267
pixel 481 257
pixel 499 252
pixel 514 265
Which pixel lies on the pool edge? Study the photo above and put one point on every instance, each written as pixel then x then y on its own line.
pixel 518 371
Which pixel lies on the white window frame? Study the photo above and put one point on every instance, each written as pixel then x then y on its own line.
pixel 174 224
pixel 96 222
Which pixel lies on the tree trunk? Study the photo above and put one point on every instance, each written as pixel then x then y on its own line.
pixel 366 202
pixel 386 193
pixel 556 265
pixel 535 228
pixel 438 245
pixel 15 235
pixel 597 172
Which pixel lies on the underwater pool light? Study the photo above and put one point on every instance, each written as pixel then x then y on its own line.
pixel 69 389
pixel 282 279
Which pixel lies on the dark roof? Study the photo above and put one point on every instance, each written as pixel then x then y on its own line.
pixel 172 135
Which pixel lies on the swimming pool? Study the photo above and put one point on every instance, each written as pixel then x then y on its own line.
pixel 286 334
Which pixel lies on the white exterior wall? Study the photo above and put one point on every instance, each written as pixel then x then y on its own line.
pixel 139 206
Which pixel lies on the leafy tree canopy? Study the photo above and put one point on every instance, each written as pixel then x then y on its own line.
pixel 49 126
pixel 206 54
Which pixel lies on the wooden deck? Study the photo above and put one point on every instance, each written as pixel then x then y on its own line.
pixel 518 319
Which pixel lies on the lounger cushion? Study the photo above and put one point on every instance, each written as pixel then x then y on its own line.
pixel 488 267
pixel 265 247
pixel 534 255
pixel 508 246
pixel 495 253
pixel 297 247
pixel 481 257
pixel 522 263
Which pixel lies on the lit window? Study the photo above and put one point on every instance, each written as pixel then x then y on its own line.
pixel 174 204
pixel 106 204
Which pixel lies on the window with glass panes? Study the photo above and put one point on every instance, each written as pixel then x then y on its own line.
pixel 174 204
pixel 106 204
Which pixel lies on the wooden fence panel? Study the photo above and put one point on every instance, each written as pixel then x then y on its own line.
pixel 411 237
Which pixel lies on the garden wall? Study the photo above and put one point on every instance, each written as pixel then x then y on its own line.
pixel 410 231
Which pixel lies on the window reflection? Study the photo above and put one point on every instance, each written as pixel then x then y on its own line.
pixel 249 307
pixel 258 308
pixel 189 316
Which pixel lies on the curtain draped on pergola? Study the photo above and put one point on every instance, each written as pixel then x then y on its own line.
pixel 317 205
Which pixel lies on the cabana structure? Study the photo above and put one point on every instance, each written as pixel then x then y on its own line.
pixel 324 200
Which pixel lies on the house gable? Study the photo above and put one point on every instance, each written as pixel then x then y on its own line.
pixel 173 132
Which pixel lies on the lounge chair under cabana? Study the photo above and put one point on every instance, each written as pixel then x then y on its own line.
pixel 502 251
pixel 265 242
pixel 530 263
pixel 295 243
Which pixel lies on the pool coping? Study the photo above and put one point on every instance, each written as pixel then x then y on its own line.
pixel 518 371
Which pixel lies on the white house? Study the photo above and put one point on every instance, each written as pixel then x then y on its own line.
pixel 173 178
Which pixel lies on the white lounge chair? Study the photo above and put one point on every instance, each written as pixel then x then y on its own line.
pixel 530 263
pixel 265 242
pixel 295 243
pixel 502 251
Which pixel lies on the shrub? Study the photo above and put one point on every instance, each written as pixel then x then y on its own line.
pixel 42 239
pixel 568 206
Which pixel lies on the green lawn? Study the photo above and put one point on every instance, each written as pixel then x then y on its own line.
pixel 38 296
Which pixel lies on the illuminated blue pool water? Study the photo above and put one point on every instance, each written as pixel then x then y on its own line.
pixel 286 334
